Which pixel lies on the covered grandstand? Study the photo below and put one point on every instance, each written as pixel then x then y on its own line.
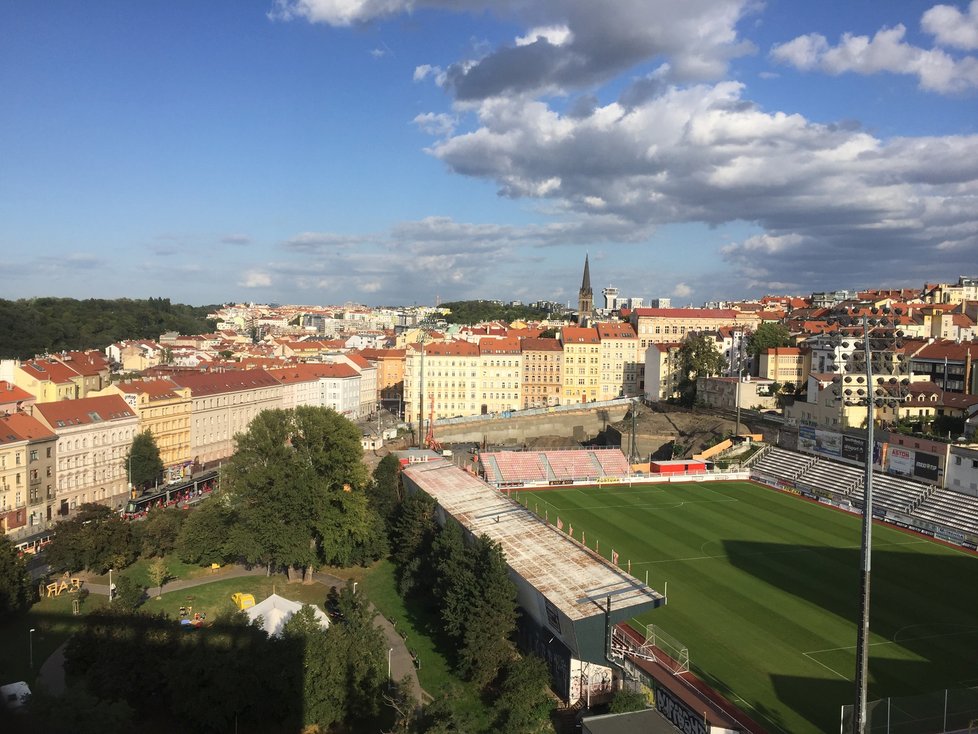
pixel 563 588
pixel 503 467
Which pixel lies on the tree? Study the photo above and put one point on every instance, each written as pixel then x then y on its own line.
pixel 454 581
pixel 524 702
pixel 157 535
pixel 296 490
pixel 204 536
pixel 623 701
pixel 698 357
pixel 444 715
pixel 485 645
pixel 411 539
pixel 96 539
pixel 143 463
pixel 128 594
pixel 159 574
pixel 384 491
pixel 768 336
pixel 16 589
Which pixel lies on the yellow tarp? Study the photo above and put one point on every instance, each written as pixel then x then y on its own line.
pixel 244 601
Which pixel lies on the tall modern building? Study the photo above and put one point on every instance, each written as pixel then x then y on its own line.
pixel 610 298
pixel 585 298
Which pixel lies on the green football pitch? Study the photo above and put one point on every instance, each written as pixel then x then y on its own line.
pixel 763 589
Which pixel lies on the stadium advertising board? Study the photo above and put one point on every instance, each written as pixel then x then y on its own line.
pixel 806 439
pixel 560 482
pixel 609 480
pixel 899 461
pixel 828 443
pixel 678 713
pixel 854 449
pixel 925 465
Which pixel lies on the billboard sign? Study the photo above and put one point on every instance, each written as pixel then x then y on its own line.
pixel 854 449
pixel 678 713
pixel 828 443
pixel 899 461
pixel 806 439
pixel 925 466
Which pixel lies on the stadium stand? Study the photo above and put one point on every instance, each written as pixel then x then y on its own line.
pixel 830 476
pixel 950 508
pixel 783 463
pixel 544 466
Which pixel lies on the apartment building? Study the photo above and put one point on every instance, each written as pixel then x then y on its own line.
pixel 367 400
pixel 619 360
pixel 164 409
pixel 335 386
pixel 222 406
pixel 94 438
pixel 786 365
pixel 662 374
pixel 657 325
pixel 451 379
pixel 582 364
pixel 28 456
pixel 543 361
pixel 501 371
pixel 13 398
pixel 949 365
pixel 390 375
pixel 46 379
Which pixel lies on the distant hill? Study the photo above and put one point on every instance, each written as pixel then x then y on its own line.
pixel 37 325
pixel 475 312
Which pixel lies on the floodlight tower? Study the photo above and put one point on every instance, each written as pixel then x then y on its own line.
pixel 884 380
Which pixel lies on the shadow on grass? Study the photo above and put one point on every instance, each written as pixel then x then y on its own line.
pixel 922 622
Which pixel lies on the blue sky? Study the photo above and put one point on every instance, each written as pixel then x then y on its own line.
pixel 403 151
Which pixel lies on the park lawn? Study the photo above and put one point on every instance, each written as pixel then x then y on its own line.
pixel 214 598
pixel 53 623
pixel 416 626
pixel 139 571
pixel 763 590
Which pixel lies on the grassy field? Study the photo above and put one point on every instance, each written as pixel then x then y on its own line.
pixel 763 589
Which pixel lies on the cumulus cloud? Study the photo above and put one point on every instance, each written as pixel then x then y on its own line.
pixel 951 27
pixel 707 154
pixel 682 291
pixel 322 241
pixel 568 44
pixel 255 279
pixel 887 51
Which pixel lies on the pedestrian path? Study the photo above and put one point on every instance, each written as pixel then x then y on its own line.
pixel 400 661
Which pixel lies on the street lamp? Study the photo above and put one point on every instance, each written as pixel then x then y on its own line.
pixel 30 647
pixel 110 586
pixel 354 587
pixel 389 651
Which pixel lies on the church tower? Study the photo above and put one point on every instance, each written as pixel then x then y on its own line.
pixel 585 298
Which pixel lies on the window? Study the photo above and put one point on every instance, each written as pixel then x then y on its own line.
pixel 33 454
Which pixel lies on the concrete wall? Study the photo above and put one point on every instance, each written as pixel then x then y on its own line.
pixel 578 425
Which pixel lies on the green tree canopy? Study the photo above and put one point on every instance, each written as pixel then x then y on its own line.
pixel 204 535
pixel 767 336
pixel 143 463
pixel 95 539
pixel 157 535
pixel 698 357
pixel 37 325
pixel 384 490
pixel 524 702
pixel 16 589
pixel 475 312
pixel 295 486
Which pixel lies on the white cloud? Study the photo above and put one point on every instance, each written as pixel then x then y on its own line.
pixel 335 12
pixel 681 290
pixel 886 51
pixel 255 279
pixel 322 240
pixel 440 124
pixel 951 27
pixel 555 35
pixel 236 239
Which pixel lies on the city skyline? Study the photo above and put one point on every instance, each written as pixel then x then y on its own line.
pixel 397 152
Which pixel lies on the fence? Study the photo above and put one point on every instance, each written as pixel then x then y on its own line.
pixel 950 710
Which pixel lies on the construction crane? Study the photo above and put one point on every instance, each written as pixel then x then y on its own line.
pixel 429 438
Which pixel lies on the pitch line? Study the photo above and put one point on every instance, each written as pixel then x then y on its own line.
pixel 830 669
pixel 894 641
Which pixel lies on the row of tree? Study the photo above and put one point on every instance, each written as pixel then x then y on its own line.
pixel 37 325
pixel 477 312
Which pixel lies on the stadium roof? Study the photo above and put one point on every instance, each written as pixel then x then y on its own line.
pixel 570 576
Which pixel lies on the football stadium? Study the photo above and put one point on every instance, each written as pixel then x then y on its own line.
pixel 742 593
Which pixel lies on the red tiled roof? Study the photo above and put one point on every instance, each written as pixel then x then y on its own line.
pixel 10 393
pixel 49 370
pixel 154 389
pixel 22 427
pixel 214 383
pixel 505 345
pixel 540 344
pixel 312 372
pixel 579 335
pixel 613 330
pixel 452 349
pixel 85 411
pixel 689 313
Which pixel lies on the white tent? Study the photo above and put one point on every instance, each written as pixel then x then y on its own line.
pixel 275 611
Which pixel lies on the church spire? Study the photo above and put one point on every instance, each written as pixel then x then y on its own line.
pixel 585 298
